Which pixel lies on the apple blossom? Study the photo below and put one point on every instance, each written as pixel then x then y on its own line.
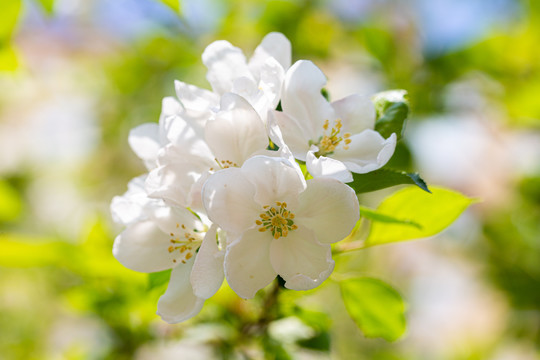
pixel 334 139
pixel 159 237
pixel 258 80
pixel 278 223
pixel 234 134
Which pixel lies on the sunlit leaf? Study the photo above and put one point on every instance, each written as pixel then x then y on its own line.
pixel 28 251
pixel 9 15
pixel 383 178
pixel 173 4
pixel 48 6
pixel 376 216
pixel 158 279
pixel 8 58
pixel 10 202
pixel 392 110
pixel 377 308
pixel 432 212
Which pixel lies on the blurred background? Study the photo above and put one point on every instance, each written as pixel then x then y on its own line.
pixel 77 75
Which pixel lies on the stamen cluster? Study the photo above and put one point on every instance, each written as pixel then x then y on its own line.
pixel 278 220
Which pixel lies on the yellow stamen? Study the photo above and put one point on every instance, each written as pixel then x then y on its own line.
pixel 278 221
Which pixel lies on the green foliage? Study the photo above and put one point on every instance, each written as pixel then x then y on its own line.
pixel 173 4
pixel 384 178
pixel 392 109
pixel 376 216
pixel 377 309
pixel 10 203
pixel 10 15
pixel 432 212
pixel 158 279
pixel 47 5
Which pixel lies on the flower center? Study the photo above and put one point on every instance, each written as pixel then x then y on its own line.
pixel 224 164
pixel 328 143
pixel 277 219
pixel 186 245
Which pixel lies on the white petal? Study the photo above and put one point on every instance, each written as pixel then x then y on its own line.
pixel 207 274
pixel 175 182
pixel 237 132
pixel 225 63
pixel 367 151
pixel 228 199
pixel 195 98
pixel 302 99
pixel 186 137
pixel 274 45
pixel 356 112
pixel 179 303
pixel 247 263
pixel 292 133
pixel 145 142
pixel 270 83
pixel 144 247
pixel 329 208
pixel 274 179
pixel 130 207
pixel 328 167
pixel 170 220
pixel 300 260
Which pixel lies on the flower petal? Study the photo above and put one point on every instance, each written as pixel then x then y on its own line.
pixel 329 208
pixel 356 112
pixel 225 63
pixel 176 220
pixel 228 199
pixel 324 166
pixel 175 182
pixel 207 274
pixel 195 98
pixel 302 99
pixel 247 263
pixel 237 132
pixel 300 260
pixel 274 179
pixel 143 247
pixel 130 207
pixel 179 303
pixel 292 134
pixel 367 151
pixel 145 143
pixel 274 45
pixel 270 83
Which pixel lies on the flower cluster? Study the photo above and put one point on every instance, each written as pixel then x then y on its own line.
pixel 225 195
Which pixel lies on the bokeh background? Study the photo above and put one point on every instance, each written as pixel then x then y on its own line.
pixel 77 75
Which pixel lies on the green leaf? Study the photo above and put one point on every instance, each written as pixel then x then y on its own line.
pixel 9 15
pixel 48 6
pixel 8 58
pixel 158 279
pixel 376 307
pixel 383 178
pixel 392 108
pixel 10 203
pixel 433 212
pixel 173 4
pixel 376 216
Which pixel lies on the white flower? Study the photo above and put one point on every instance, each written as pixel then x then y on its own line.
pixel 259 80
pixel 232 136
pixel 277 223
pixel 158 237
pixel 332 138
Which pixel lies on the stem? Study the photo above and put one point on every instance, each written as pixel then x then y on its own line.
pixel 267 314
